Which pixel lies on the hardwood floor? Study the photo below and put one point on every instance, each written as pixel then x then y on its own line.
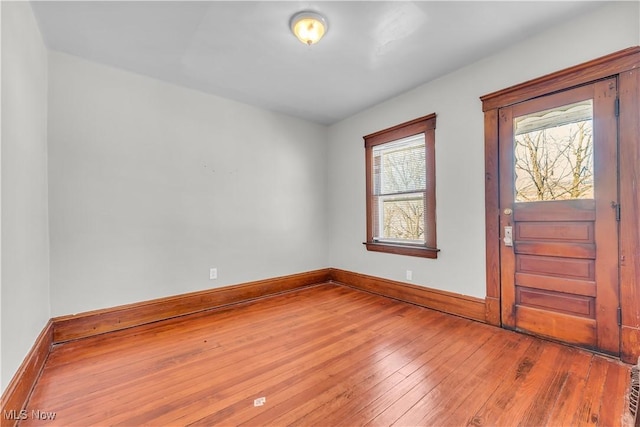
pixel 326 355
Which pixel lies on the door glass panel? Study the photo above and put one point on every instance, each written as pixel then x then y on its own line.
pixel 553 154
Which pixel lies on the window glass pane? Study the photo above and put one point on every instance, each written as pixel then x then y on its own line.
pixel 401 218
pixel 553 153
pixel 399 166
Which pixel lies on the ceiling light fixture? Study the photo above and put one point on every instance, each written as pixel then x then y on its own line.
pixel 309 27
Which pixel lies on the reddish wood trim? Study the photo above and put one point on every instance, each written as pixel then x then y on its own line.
pixel 492 311
pixel 19 389
pixel 606 229
pixel 412 127
pixel 91 323
pixel 368 154
pixel 587 72
pixel 418 251
pixel 505 194
pixel 629 137
pixel 492 216
pixel 448 302
pixel 426 125
pixel 624 64
pixel 430 229
pixel 547 101
pixel 630 338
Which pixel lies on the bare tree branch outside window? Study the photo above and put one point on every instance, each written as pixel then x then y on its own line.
pixel 555 162
pixel 402 183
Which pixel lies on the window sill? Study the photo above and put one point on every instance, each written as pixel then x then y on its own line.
pixel 409 250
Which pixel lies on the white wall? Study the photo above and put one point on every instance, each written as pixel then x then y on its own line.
pixel 25 239
pixel 152 184
pixel 460 266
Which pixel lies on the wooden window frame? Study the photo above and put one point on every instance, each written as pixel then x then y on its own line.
pixel 427 126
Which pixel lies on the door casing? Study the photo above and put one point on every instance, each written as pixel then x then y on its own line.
pixel 625 66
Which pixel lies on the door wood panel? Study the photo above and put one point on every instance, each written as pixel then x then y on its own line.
pixel 580 232
pixel 570 250
pixel 562 302
pixel 564 327
pixel 559 278
pixel 569 286
pixel 570 210
pixel 554 266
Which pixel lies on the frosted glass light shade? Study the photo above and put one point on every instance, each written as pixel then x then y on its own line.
pixel 309 27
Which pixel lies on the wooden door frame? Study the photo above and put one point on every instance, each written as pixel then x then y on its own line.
pixel 625 66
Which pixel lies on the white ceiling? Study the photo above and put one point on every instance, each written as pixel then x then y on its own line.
pixel 245 51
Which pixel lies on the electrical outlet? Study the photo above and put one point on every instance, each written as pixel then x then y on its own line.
pixel 213 273
pixel 409 275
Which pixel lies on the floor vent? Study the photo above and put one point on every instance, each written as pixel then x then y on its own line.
pixel 635 393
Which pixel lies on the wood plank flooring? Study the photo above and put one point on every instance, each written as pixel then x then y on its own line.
pixel 326 355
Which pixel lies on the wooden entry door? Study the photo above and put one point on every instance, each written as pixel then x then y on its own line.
pixel 558 216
